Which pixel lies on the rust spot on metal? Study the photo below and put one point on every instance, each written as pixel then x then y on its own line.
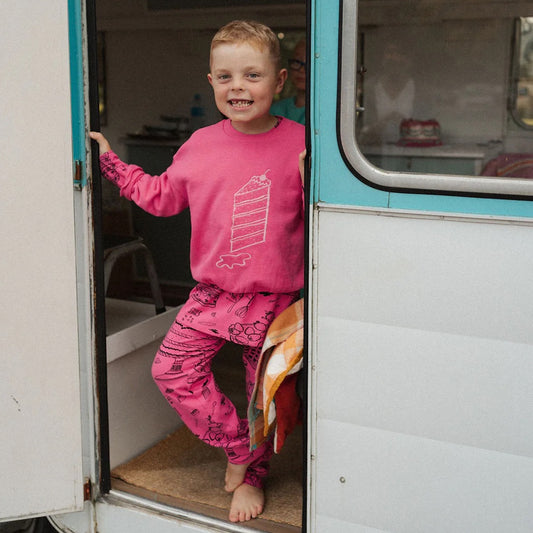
pixel 87 490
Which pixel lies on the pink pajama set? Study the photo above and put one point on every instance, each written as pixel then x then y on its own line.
pixel 246 203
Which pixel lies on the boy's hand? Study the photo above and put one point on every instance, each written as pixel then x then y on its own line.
pixel 301 164
pixel 101 140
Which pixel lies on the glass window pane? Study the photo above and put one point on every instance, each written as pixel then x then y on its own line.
pixel 434 90
pixel 437 93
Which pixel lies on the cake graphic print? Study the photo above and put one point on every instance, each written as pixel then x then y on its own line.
pixel 249 220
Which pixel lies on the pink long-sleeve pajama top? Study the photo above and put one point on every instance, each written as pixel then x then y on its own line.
pixel 246 203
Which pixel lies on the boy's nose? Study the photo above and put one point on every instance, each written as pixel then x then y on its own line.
pixel 238 84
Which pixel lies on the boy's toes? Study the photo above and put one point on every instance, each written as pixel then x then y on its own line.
pixel 247 503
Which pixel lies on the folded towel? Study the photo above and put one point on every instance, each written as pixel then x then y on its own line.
pixel 274 405
pixel 288 407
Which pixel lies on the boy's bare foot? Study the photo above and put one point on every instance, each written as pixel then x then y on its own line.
pixel 234 476
pixel 247 503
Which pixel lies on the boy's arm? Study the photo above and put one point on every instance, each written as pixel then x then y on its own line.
pixel 154 194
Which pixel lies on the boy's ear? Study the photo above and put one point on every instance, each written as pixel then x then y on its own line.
pixel 210 78
pixel 282 78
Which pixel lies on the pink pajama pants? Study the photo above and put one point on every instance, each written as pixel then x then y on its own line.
pixel 182 368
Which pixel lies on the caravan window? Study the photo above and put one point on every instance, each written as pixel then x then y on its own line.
pixel 424 97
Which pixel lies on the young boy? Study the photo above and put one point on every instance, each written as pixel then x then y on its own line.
pixel 242 180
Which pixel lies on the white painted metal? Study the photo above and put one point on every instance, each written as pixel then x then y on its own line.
pixel 40 444
pixel 126 513
pixel 422 328
pixel 132 325
pixel 139 415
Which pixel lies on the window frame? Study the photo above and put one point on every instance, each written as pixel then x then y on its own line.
pixel 479 186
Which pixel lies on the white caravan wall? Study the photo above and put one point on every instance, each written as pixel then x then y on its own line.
pixel 40 442
pixel 424 333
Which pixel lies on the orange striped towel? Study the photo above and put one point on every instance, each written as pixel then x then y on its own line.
pixel 281 356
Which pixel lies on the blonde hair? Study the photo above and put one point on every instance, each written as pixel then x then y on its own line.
pixel 253 33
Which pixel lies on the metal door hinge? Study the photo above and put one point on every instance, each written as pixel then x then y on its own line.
pixel 78 174
pixel 87 490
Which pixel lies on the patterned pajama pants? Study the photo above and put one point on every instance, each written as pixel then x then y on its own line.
pixel 182 369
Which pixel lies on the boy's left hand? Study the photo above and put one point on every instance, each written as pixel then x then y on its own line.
pixel 301 164
pixel 101 140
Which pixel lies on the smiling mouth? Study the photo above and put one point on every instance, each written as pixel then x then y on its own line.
pixel 240 104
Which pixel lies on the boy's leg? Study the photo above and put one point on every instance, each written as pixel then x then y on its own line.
pixel 258 462
pixel 258 469
pixel 250 468
pixel 248 496
pixel 182 372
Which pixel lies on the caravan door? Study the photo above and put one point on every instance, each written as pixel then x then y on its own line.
pixel 40 442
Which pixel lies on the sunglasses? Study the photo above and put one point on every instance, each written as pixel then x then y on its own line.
pixel 296 64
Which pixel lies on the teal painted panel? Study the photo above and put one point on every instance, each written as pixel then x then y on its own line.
pixel 76 86
pixel 458 204
pixel 333 181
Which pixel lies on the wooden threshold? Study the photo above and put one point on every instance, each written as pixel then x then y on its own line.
pixel 259 524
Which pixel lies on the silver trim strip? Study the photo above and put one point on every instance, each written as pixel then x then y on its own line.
pixel 405 213
pixel 118 497
pixel 430 182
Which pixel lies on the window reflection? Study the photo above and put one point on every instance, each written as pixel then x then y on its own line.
pixel 390 96
pixel 524 88
pixel 434 89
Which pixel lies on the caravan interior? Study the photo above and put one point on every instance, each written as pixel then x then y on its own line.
pixel 153 60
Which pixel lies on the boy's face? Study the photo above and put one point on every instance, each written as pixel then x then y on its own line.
pixel 245 80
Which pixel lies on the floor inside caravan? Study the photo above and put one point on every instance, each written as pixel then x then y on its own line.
pixel 183 472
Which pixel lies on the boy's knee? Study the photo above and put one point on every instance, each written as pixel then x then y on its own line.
pixel 158 370
pixel 167 373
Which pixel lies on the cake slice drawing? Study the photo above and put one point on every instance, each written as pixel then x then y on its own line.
pixel 249 220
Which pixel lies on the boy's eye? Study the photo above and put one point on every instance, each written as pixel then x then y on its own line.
pixel 253 75
pixel 223 77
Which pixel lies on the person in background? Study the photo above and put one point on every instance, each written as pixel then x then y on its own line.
pixel 294 107
pixel 390 91
pixel 242 179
